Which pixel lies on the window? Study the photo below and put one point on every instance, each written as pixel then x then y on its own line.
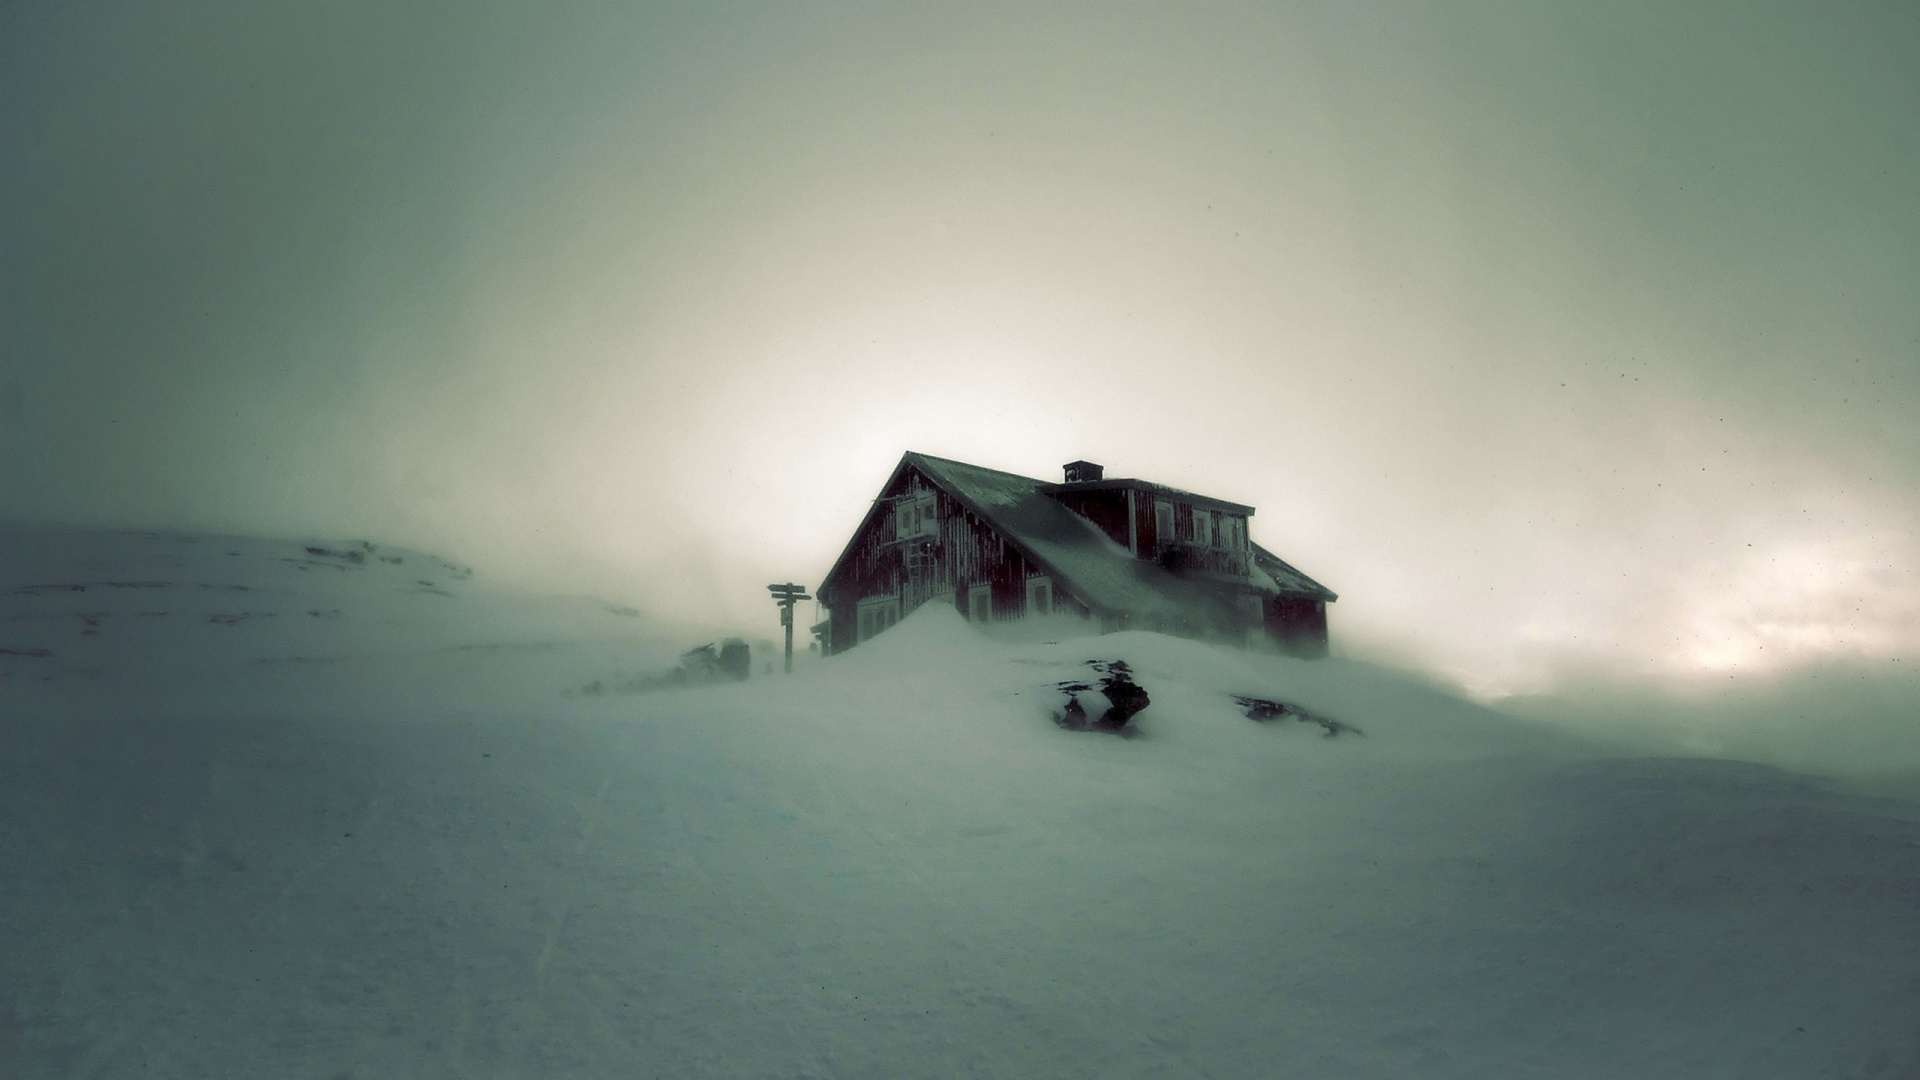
pixel 1202 527
pixel 1163 521
pixel 980 603
pixel 1039 596
pixel 916 516
pixel 877 614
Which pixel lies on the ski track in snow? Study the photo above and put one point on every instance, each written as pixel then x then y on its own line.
pixel 422 859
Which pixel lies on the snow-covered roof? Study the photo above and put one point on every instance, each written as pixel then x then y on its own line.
pixel 1151 488
pixel 1285 577
pixel 1084 561
pixel 1081 559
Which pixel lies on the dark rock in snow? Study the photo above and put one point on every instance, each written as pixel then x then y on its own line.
pixel 736 659
pixel 238 617
pixel 1125 700
pixel 352 555
pixel 1073 715
pixel 729 661
pixel 1128 697
pixel 1266 709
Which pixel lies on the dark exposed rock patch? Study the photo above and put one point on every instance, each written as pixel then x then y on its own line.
pixel 1264 709
pixel 352 555
pixel 1125 700
pixel 729 660
pixel 238 617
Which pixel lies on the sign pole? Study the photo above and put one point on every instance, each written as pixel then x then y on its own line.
pixel 786 596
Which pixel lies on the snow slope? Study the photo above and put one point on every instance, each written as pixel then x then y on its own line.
pixel 199 618
pixel 388 844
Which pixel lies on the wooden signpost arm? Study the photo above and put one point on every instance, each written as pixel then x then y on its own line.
pixel 787 596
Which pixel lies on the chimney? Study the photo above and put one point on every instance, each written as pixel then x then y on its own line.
pixel 1084 472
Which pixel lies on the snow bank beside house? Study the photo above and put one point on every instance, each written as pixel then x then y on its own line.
pixel 420 859
pixel 1194 686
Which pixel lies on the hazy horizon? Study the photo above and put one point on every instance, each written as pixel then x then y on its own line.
pixel 1572 347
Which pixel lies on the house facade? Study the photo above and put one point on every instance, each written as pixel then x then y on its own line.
pixel 1127 554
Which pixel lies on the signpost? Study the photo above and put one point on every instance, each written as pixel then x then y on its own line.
pixel 786 596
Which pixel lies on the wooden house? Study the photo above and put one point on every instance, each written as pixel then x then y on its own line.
pixel 1126 554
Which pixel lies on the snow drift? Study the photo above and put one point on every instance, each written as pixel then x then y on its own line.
pixel 388 844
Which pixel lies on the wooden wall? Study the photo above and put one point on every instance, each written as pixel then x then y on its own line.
pixel 1108 509
pixel 1297 624
pixel 1105 508
pixel 941 567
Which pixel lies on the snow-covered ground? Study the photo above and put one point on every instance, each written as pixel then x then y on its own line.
pixel 272 812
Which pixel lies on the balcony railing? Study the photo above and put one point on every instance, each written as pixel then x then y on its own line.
pixel 1186 557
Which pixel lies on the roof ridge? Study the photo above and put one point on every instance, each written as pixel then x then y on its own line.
pixel 970 465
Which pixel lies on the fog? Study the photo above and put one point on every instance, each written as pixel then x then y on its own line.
pixel 1572 347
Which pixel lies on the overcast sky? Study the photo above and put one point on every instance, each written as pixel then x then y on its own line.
pixel 1554 337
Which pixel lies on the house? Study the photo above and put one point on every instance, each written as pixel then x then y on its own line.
pixel 1127 554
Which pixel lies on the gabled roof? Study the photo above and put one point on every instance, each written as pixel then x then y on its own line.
pixel 1082 560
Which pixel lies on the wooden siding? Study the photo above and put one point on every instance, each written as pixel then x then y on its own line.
pixel 1180 552
pixel 1146 526
pixel 947 553
pixel 1106 508
pixel 941 566
pixel 1297 624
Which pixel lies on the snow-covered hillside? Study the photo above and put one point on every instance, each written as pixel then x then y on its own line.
pixel 203 619
pixel 240 838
